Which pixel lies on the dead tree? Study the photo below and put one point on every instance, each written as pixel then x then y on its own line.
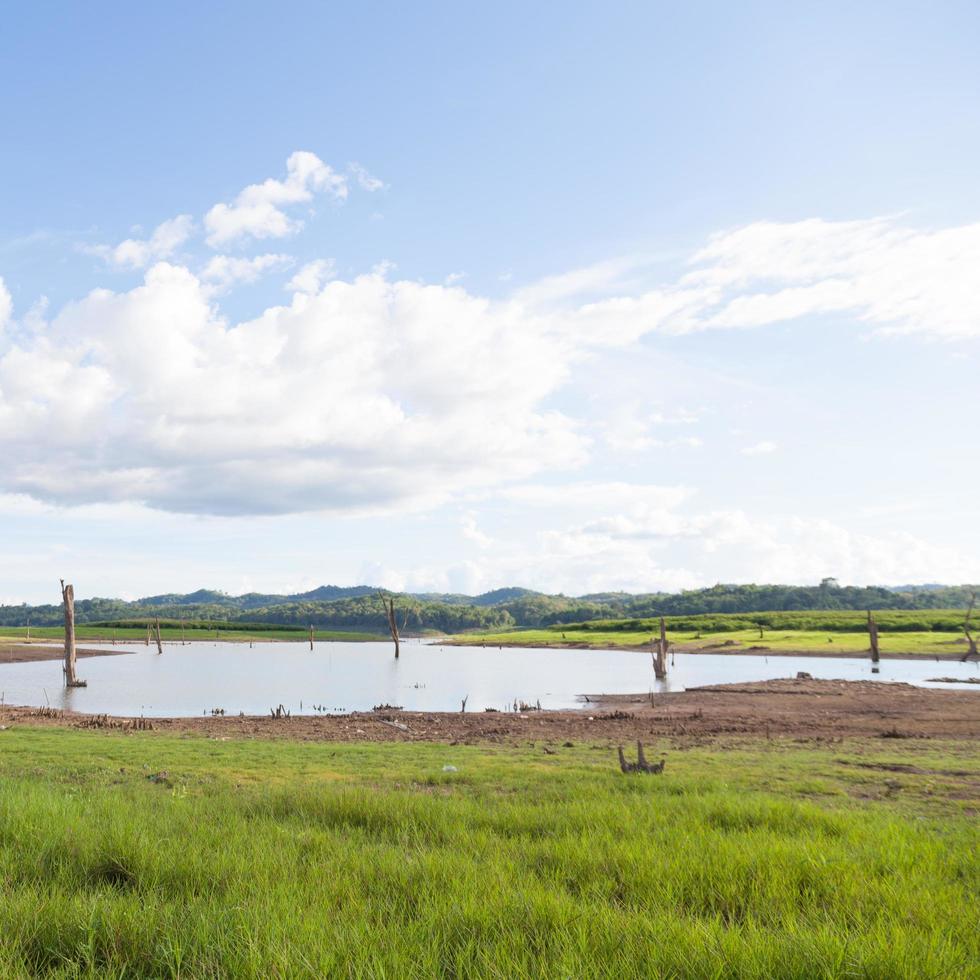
pixel 159 640
pixel 68 598
pixel 311 636
pixel 971 650
pixel 873 637
pixel 641 764
pixel 389 608
pixel 660 655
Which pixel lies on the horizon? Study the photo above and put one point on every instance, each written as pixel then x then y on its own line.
pixel 372 589
pixel 632 300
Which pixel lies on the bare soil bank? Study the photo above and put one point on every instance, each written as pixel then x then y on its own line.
pixel 804 709
pixel 18 653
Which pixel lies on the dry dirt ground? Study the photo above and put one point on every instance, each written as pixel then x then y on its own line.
pixel 15 653
pixel 812 710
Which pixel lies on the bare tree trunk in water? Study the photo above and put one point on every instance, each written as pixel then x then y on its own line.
pixel 389 607
pixel 311 636
pixel 660 660
pixel 68 598
pixel 873 636
pixel 159 641
pixel 972 648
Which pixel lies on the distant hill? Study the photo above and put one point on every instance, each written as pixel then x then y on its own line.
pixel 358 607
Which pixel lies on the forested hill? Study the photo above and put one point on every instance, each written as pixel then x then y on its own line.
pixel 358 607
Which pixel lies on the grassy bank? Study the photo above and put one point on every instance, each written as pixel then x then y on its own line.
pixel 171 633
pixel 257 859
pixel 747 640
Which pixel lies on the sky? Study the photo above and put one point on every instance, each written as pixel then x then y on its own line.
pixel 446 297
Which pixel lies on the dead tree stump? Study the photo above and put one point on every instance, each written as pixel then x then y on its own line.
pixel 873 637
pixel 68 598
pixel 660 657
pixel 971 650
pixel 389 607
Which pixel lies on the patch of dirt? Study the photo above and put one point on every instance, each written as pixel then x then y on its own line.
pixel 807 710
pixel 19 653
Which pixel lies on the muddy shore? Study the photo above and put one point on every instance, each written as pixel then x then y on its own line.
pixel 808 710
pixel 20 653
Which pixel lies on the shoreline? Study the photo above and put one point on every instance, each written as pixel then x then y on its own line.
pixel 807 710
pixel 727 651
pixel 23 653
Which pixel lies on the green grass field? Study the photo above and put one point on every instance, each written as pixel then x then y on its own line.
pixel 818 641
pixel 170 634
pixel 280 859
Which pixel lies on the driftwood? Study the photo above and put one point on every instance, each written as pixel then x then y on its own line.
pixel 122 724
pixel 641 764
pixel 972 643
pixel 388 602
pixel 68 598
pixel 873 637
pixel 395 724
pixel 279 712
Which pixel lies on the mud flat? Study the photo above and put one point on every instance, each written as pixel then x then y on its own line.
pixel 807 710
pixel 21 653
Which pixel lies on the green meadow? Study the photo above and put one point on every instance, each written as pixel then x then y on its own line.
pixel 927 632
pixel 173 633
pixel 745 640
pixel 154 856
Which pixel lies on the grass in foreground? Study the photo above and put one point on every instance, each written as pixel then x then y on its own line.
pixel 258 859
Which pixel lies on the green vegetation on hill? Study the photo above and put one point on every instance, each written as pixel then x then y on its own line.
pixel 358 608
pixel 277 859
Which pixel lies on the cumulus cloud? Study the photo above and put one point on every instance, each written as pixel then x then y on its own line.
pixel 6 304
pixel 259 211
pixel 312 276
pixel 136 253
pixel 379 393
pixel 647 538
pixel 350 398
pixel 225 271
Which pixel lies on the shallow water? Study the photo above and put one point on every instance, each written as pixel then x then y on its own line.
pixel 192 679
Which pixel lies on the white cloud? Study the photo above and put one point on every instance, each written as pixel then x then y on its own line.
pixel 365 180
pixel 896 279
pixel 6 304
pixel 646 538
pixel 259 210
pixel 135 253
pixel 351 398
pixel 312 276
pixel 226 271
pixel 763 448
pixel 375 393
pixel 472 532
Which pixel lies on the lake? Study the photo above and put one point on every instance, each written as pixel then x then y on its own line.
pixel 338 677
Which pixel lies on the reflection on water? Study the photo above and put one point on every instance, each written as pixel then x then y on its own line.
pixel 192 679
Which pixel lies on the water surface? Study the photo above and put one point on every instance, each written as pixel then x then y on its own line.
pixel 335 677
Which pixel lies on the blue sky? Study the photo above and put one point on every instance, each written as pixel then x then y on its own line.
pixel 573 296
